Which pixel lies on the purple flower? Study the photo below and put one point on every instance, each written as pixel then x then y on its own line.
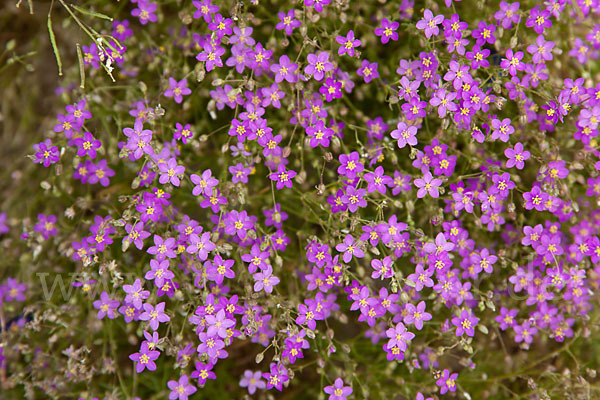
pixel 524 332
pixel 308 315
pixel 285 70
pixel 138 141
pixel 354 198
pixel 416 315
pixel 272 95
pixel 454 27
pixel 283 177
pixel 135 294
pixel 512 62
pixel 3 226
pixel 101 231
pixel 252 381
pixel 87 145
pixel 68 124
pixel 319 134
pixel 350 248
pixel 539 20
pixel 239 57
pixel 288 22
pixel 387 30
pixel 535 73
pixel 121 30
pixel 465 323
pixel 368 71
pixel 502 129
pixel 332 89
pixel 219 269
pixel 274 216
pixel 145 11
pixel 405 134
pixel 399 337
pixel 506 317
pixel 203 372
pixel 557 170
pixel 382 268
pixel 532 235
pixel 317 4
pixel 318 65
pixel 508 14
pixel 221 26
pixel 516 156
pixel 204 183
pixel 90 55
pixel 429 23
pixel 338 391
pixel 13 290
pixel 443 101
pixel 177 90
pixel 484 33
pixel 182 133
pixel 350 165
pixel 483 261
pixel 46 225
pixel 260 57
pixel 542 50
pixel 159 271
pixel 550 246
pixel 256 259
pixel 447 382
pixel 278 374
pixel 414 109
pixel 170 172
pixel 377 181
pixel 241 129
pixel 182 389
pixel 238 223
pixel 155 315
pixel 535 199
pixel 421 278
pixel 265 280
pixel 200 245
pixel 210 345
pixel 239 173
pixel 162 248
pixel 149 210
pixel 218 324
pixel 205 9
pixel 45 153
pixel 441 245
pixel 106 306
pixel 478 57
pixel 211 54
pixel 428 184
pixel 145 358
pixel 348 44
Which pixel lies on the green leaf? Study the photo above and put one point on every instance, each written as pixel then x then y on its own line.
pixel 54 47
pixel 91 13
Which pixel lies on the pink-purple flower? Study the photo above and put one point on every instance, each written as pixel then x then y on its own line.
pixel 338 391
pixel 177 89
pixel 348 43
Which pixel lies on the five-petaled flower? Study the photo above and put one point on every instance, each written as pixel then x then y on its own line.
pixel 283 177
pixel 348 44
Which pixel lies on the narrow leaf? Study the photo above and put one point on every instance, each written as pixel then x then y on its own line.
pixel 54 47
pixel 91 13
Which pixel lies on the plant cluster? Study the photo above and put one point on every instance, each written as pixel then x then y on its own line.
pixel 308 199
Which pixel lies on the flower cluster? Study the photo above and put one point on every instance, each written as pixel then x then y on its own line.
pixel 388 190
